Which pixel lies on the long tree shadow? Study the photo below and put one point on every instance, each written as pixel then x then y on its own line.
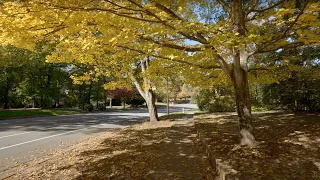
pixel 156 153
pixel 288 145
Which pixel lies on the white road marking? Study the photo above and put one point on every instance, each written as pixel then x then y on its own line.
pixel 15 134
pixel 27 142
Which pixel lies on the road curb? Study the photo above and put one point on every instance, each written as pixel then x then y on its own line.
pixel 224 172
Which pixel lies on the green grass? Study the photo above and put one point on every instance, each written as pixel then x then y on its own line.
pixel 160 105
pixel 172 116
pixel 7 114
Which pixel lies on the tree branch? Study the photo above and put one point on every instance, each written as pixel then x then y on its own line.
pixel 173 59
pixel 175 16
pixel 199 37
pixel 258 68
pixel 285 46
pixel 267 8
pixel 282 35
pixel 138 85
pixel 122 7
pixel 107 10
pixel 224 5
pixel 173 46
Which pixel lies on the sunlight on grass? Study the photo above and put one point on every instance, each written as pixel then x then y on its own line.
pixel 7 114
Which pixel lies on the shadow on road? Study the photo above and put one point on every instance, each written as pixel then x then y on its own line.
pixel 100 120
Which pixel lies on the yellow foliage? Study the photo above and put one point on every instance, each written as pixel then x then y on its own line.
pixel 112 39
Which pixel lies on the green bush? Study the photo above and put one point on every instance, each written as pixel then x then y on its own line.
pixel 211 101
pixel 224 104
pixel 203 99
pixel 136 100
pixel 88 107
pixel 102 107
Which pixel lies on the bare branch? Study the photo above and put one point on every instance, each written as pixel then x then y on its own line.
pixel 168 11
pixel 54 31
pixel 284 46
pixel 258 69
pixel 267 8
pixel 224 5
pixel 122 7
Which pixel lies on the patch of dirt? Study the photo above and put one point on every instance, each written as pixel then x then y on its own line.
pixel 288 145
pixel 159 150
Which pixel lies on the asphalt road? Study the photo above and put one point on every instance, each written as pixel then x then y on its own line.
pixel 22 140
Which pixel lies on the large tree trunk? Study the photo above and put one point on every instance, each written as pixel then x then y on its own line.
pixel 239 77
pixel 151 103
pixel 243 104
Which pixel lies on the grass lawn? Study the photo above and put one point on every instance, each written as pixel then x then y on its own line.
pixel 160 104
pixel 7 114
pixel 172 116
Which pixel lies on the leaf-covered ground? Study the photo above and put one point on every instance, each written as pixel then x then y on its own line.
pixel 163 150
pixel 288 145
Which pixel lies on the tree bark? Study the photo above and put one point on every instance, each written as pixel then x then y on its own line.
pixel 34 102
pixel 81 102
pixel 151 103
pixel 89 93
pixel 150 99
pixel 6 94
pixel 243 104
pixel 110 103
pixel 239 77
pixel 168 97
pixel 147 93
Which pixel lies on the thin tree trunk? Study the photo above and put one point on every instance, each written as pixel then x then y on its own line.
pixel 168 112
pixel 97 98
pixel 150 99
pixel 6 94
pixel 89 93
pixel 81 104
pixel 47 102
pixel 105 98
pixel 34 102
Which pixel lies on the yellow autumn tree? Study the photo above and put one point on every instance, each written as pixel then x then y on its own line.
pixel 213 36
